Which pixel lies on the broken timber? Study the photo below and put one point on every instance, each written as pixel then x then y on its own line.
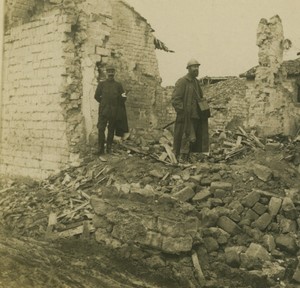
pixel 199 273
pixel 130 148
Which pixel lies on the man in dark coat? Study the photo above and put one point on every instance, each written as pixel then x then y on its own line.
pixel 191 125
pixel 112 112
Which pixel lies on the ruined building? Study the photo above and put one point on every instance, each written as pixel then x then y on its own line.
pixel 51 48
pixel 267 96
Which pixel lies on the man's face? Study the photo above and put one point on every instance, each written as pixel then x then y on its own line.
pixel 194 70
pixel 110 73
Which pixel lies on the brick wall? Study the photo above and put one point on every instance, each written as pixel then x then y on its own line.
pixel 132 45
pixel 48 106
pixel 274 109
pixel 34 139
pixel 119 35
pixel 229 107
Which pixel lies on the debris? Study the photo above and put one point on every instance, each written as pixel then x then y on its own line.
pixel 52 221
pixel 170 154
pixel 199 273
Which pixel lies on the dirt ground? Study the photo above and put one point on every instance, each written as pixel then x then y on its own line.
pixel 29 260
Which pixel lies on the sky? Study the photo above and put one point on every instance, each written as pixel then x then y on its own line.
pixel 220 34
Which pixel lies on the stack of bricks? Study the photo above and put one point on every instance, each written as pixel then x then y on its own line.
pixel 34 138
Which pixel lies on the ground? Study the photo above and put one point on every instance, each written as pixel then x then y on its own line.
pixel 30 258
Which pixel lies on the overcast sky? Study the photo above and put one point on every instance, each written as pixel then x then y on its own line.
pixel 221 34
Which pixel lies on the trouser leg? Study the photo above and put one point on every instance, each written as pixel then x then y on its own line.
pixel 110 135
pixel 101 133
pixel 178 134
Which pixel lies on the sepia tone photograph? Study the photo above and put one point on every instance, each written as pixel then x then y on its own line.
pixel 150 144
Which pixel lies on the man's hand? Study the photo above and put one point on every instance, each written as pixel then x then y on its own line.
pixel 125 93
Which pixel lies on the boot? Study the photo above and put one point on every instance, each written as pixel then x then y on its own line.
pixel 100 148
pixel 108 149
pixel 184 158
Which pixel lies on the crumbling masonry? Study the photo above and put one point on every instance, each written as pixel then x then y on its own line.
pixel 51 49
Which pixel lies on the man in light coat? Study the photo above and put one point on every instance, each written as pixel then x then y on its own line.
pixel 191 125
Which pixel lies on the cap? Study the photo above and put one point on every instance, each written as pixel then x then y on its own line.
pixel 110 67
pixel 192 62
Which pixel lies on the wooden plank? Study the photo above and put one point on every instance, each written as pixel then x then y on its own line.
pixel 75 231
pixel 170 154
pixel 6 189
pixel 229 144
pixel 52 221
pixel 244 132
pixel 257 141
pixel 239 141
pixel 199 273
pixel 73 211
pixel 163 156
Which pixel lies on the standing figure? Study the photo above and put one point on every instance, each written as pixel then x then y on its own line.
pixel 112 112
pixel 191 124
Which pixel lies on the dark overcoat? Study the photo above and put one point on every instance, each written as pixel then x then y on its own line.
pixel 186 88
pixel 112 105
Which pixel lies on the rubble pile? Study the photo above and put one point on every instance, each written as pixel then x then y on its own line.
pixel 206 222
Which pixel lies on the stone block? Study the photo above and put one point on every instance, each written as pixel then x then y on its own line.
pixel 220 185
pixel 202 195
pixel 262 172
pixel 296 276
pixel 177 245
pixel 149 222
pixel 170 227
pixel 185 194
pixel 269 242
pixel 228 225
pixel 211 244
pixel 251 199
pixel 259 208
pixel 100 206
pixel 273 270
pixel 274 205
pixel 152 239
pixel 156 173
pixel 263 221
pixel 237 206
pixel 287 225
pixel 196 178
pixel 232 255
pixel 219 234
pixel 100 222
pixel 251 215
pixel 289 209
pixel 220 193
pixel 257 251
pixel 129 229
pixel 102 236
pixel 286 243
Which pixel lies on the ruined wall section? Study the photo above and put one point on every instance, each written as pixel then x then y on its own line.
pixel 229 108
pixel 272 106
pixel 34 140
pixel 132 48
pixel 95 19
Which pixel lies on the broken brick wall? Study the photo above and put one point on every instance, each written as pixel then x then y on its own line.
pixel 229 108
pixel 48 106
pixel 117 34
pixel 34 137
pixel 273 109
pixel 42 124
